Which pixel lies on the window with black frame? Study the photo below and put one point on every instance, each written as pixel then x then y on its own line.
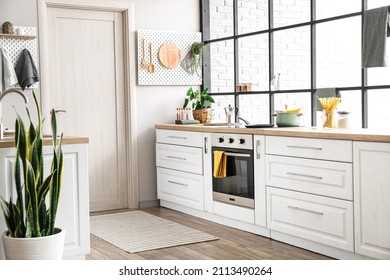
pixel 307 44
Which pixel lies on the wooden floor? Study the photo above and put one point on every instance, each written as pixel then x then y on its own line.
pixel 233 244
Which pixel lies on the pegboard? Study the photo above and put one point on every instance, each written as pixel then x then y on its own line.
pixel 161 74
pixel 15 46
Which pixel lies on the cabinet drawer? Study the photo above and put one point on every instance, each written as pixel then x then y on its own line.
pixel 333 179
pixel 176 137
pixel 320 219
pixel 337 150
pixel 180 188
pixel 180 158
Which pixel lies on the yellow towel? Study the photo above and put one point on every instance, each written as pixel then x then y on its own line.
pixel 220 164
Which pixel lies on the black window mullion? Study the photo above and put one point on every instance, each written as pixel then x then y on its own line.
pixel 236 59
pixel 313 60
pixel 364 78
pixel 271 62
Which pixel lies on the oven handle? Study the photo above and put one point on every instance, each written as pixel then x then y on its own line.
pixel 237 155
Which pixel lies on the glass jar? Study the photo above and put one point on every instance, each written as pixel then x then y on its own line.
pixel 343 120
pixel 329 118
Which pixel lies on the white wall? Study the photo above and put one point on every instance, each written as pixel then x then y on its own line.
pixel 155 104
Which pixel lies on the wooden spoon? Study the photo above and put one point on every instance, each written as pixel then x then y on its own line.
pixel 143 62
pixel 151 66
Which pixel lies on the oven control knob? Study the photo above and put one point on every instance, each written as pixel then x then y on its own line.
pixel 231 140
pixel 220 140
pixel 242 141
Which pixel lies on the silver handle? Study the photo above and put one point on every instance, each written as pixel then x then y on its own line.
pixel 237 155
pixel 258 149
pixel 176 157
pixel 177 137
pixel 177 183
pixel 205 146
pixel 305 210
pixel 304 147
pixel 304 175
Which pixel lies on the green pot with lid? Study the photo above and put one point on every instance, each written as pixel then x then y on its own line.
pixel 287 119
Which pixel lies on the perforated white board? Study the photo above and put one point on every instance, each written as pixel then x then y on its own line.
pixel 14 47
pixel 163 75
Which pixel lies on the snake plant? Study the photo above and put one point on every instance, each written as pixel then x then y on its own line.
pixel 33 212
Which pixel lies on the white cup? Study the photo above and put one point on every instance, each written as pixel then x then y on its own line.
pixel 20 31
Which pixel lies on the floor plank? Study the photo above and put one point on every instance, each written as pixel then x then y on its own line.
pixel 233 244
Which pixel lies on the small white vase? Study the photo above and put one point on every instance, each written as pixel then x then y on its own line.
pixel 38 248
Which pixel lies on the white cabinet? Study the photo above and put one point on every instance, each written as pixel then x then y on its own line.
pixel 180 161
pixel 73 209
pixel 372 199
pixel 313 217
pixel 309 189
pixel 328 178
pixel 326 149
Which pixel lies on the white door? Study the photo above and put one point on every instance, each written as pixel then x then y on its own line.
pixel 86 78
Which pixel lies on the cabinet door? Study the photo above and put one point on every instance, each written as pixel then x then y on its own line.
pixel 73 208
pixel 372 199
pixel 181 188
pixel 259 170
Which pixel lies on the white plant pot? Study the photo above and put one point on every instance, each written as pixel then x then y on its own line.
pixel 38 248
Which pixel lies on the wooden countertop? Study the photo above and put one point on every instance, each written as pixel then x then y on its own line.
pixel 9 142
pixel 362 134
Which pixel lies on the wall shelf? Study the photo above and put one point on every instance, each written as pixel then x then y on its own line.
pixel 16 36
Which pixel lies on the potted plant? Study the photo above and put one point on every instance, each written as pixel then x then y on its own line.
pixel 199 101
pixel 197 52
pixel 30 218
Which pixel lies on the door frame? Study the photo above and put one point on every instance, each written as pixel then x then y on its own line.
pixel 127 10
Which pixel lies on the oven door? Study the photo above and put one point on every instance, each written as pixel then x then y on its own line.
pixel 238 186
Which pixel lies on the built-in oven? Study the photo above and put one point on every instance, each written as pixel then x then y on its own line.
pixel 237 187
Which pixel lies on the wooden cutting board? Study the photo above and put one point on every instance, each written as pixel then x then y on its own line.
pixel 169 55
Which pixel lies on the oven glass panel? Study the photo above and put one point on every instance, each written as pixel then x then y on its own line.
pixel 239 180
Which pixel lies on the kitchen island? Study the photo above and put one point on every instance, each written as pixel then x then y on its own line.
pixel 325 190
pixel 73 211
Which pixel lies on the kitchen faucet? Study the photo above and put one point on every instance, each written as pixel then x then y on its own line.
pixel 2 94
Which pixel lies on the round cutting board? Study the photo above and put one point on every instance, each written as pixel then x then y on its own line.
pixel 169 55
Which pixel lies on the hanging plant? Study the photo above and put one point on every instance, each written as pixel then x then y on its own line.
pixel 197 53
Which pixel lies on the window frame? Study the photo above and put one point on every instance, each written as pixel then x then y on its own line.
pixel 205 28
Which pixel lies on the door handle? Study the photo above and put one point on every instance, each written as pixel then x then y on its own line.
pixel 205 146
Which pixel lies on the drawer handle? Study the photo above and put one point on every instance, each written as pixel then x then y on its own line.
pixel 305 210
pixel 177 137
pixel 304 147
pixel 177 183
pixel 180 158
pixel 304 175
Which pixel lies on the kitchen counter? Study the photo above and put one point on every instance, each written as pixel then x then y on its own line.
pixel 67 140
pixel 362 134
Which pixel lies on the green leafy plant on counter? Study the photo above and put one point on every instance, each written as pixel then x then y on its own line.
pixel 199 98
pixel 29 215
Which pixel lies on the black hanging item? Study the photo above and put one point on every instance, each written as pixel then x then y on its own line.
pixel 25 70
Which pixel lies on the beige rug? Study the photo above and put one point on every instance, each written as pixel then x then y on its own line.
pixel 138 231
